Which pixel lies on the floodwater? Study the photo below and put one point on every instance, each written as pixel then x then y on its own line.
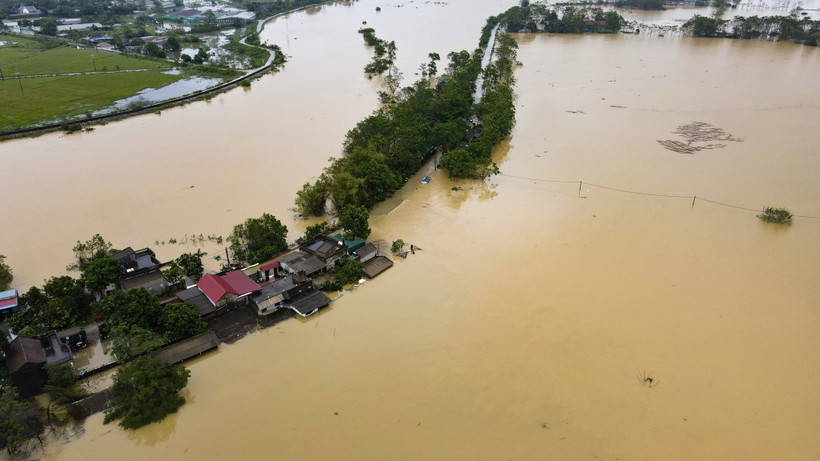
pixel 529 324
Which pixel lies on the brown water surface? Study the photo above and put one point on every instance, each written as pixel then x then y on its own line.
pixel 526 327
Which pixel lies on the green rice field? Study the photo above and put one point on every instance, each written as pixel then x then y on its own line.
pixel 52 98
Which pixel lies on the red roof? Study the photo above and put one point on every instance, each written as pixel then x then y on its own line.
pixel 236 282
pixel 6 303
pixel 270 266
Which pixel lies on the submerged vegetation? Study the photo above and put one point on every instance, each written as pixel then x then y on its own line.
pixel 776 216
pixel 805 31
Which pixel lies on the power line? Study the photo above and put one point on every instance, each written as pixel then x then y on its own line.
pixel 649 194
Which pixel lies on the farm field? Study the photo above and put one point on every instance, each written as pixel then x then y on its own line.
pixel 49 98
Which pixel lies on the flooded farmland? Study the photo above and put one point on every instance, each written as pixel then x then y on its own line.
pixel 528 325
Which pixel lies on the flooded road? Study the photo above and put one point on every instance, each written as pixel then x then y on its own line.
pixel 530 322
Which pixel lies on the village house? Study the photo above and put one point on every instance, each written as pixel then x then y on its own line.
pixel 275 294
pixel 8 302
pixel 233 287
pixel 299 261
pixel 365 253
pixel 196 297
pixel 141 269
pixel 26 11
pixel 26 358
pixel 352 245
pixel 326 248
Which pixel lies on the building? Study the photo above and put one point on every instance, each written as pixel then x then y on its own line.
pixel 276 294
pixel 190 16
pixel 196 297
pixel 233 287
pixel 8 302
pixel 299 261
pixel 366 253
pixel 25 360
pixel 141 269
pixel 26 11
pixel 327 249
pixel 376 266
pixel 309 303
pixel 352 245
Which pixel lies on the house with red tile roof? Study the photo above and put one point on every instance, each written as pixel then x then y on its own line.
pixel 231 287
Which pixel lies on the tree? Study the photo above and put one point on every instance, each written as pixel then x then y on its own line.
pixel 95 247
pixel 11 432
pixel 145 391
pixel 191 264
pixel 258 238
pixel 48 26
pixel 133 307
pixel 128 341
pixel 348 271
pixel 152 49
pixel 63 385
pixel 354 220
pixel 311 200
pixel 99 272
pixel 432 69
pixel 312 231
pixel 6 275
pixel 172 45
pixel 181 320
pixel 61 303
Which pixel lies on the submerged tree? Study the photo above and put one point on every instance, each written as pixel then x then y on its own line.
pixel 145 391
pixel 776 216
pixel 258 239
pixel 6 275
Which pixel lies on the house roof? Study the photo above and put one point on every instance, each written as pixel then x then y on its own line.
pixel 236 282
pixel 24 350
pixel 270 266
pixel 8 299
pixel 145 280
pixel 366 249
pixel 310 303
pixel 376 266
pixel 185 13
pixel 184 350
pixel 301 261
pixel 196 297
pixel 352 245
pixel 324 247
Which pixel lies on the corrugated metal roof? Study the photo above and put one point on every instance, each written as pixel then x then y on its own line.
pixel 8 294
pixel 190 347
pixel 376 266
pixel 270 266
pixel 310 303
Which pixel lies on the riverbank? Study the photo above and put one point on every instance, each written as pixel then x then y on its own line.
pixel 273 63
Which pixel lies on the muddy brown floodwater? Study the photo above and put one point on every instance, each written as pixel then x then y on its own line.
pixel 527 326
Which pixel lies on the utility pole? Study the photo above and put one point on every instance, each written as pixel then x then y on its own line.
pixel 94 62
pixel 21 84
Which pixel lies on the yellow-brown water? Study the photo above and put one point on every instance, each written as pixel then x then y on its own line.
pixel 526 326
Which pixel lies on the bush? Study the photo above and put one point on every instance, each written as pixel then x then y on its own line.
pixel 776 216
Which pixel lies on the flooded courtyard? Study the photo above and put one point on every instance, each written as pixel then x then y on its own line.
pixel 539 321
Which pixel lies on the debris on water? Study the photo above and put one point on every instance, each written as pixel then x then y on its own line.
pixel 697 132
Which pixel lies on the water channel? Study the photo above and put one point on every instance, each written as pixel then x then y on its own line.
pixel 526 327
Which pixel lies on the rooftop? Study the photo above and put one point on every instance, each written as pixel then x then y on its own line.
pixel 24 350
pixel 376 266
pixel 216 286
pixel 196 297
pixel 310 303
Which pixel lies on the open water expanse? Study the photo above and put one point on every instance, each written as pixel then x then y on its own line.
pixel 526 327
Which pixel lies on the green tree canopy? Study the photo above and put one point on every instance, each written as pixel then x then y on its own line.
pixel 11 432
pixel 354 219
pixel 181 320
pixel 348 271
pixel 133 307
pixel 128 341
pixel 63 385
pixel 6 275
pixel 145 391
pixel 191 264
pixel 99 272
pixel 95 247
pixel 61 303
pixel 258 239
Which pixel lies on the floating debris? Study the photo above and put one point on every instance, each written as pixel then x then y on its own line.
pixel 697 132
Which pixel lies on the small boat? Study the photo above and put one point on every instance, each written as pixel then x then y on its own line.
pixel 425 180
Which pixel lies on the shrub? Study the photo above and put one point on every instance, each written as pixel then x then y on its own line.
pixel 776 216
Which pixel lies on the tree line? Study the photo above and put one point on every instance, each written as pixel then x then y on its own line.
pixel 805 31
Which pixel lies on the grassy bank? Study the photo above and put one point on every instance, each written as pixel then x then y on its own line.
pixel 49 98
